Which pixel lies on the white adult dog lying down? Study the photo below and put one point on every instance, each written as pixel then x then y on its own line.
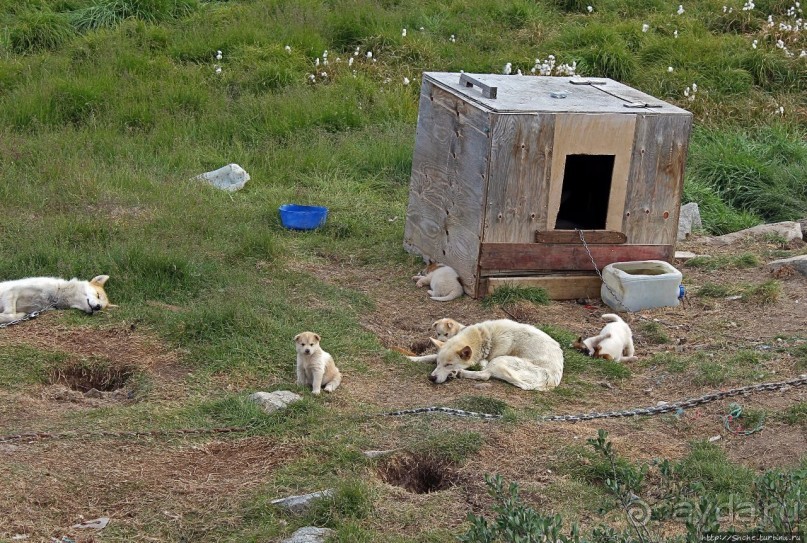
pixel 22 296
pixel 514 352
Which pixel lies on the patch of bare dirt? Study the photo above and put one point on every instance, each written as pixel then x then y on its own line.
pixel 52 485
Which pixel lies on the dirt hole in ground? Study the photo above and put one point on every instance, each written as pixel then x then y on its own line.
pixel 84 377
pixel 418 473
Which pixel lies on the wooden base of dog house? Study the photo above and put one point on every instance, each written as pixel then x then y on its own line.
pixel 558 287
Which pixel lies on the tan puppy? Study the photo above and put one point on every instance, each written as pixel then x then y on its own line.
pixel 315 367
pixel 515 352
pixel 614 342
pixel 443 281
pixel 446 328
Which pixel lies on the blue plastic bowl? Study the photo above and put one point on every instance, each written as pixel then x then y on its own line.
pixel 296 217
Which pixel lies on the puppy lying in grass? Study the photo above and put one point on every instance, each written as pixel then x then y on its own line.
pixel 443 281
pixel 614 342
pixel 444 329
pixel 315 367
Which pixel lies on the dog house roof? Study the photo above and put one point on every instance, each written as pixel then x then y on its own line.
pixel 534 94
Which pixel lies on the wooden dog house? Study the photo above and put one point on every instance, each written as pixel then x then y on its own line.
pixel 507 169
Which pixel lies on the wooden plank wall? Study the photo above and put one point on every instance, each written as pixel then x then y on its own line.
pixel 593 134
pixel 447 187
pixel 518 187
pixel 653 199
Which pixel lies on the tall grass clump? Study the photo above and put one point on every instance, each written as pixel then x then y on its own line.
pixel 40 30
pixel 109 13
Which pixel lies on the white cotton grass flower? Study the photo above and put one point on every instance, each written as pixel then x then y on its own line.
pixel 781 110
pixel 680 9
pixel 405 81
pixel 323 75
pixel 803 54
pixel 725 8
pixel 316 62
pixel 218 55
pixel 312 77
pixel 749 5
pixel 350 61
pixel 669 69
pixel 403 33
pixel 508 69
pixel 452 39
pixel 645 27
pixel 288 49
pixel 686 92
pixel 422 29
pixel 754 44
pixel 369 54
pixel 694 88
pixel 675 34
pixel 217 69
pixel 590 9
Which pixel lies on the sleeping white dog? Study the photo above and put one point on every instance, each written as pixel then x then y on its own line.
pixel 515 352
pixel 614 342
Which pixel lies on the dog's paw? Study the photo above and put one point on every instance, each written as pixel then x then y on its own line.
pixel 329 387
pixel 315 392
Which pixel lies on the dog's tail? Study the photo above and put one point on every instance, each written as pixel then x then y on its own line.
pixel 611 317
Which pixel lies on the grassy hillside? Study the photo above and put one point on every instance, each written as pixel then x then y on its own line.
pixel 109 108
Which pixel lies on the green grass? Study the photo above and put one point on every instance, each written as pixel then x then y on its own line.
pixel 654 333
pixel 763 293
pixel 711 263
pixel 795 414
pixel 508 294
pixel 109 108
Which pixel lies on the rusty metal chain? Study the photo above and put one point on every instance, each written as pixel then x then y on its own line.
pixel 39 436
pixel 27 317
pixel 647 411
pixel 597 269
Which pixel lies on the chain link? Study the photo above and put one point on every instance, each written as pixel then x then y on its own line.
pixel 647 411
pixel 596 269
pixel 27 317
pixel 38 436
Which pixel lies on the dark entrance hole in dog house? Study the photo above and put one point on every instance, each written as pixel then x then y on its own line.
pixel 85 376
pixel 585 192
pixel 421 474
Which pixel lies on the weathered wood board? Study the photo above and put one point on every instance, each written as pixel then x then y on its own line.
pixel 558 287
pixel 495 258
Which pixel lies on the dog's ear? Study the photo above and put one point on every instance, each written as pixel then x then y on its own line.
pixel 99 280
pixel 297 337
pixel 435 323
pixel 466 353
pixel 449 325
pixel 439 344
pixel 317 338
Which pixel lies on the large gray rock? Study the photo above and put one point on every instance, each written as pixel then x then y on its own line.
pixel 231 177
pixel 689 219
pixel 798 263
pixel 298 504
pixel 309 534
pixel 789 230
pixel 272 401
pixel 803 223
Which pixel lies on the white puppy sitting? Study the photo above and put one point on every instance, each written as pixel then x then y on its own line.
pixel 315 367
pixel 614 342
pixel 444 282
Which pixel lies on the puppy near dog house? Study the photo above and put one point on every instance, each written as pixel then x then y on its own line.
pixel 517 353
pixel 614 342
pixel 315 367
pixel 444 282
pixel 444 329
pixel 22 296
